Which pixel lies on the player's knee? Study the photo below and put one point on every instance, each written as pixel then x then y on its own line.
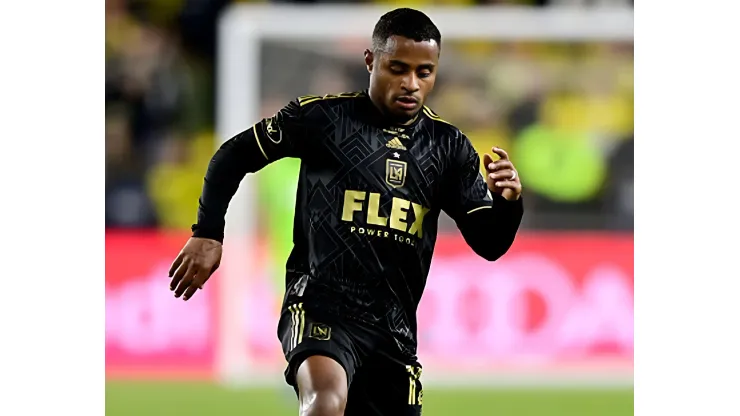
pixel 323 403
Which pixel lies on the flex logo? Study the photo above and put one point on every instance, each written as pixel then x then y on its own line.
pixel 369 204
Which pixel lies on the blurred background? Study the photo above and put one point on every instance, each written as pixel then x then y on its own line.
pixel 531 334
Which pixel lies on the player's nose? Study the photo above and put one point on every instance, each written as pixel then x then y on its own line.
pixel 410 83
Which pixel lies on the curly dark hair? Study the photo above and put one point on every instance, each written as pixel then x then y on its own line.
pixel 409 23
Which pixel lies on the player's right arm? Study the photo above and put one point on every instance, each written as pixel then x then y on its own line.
pixel 268 140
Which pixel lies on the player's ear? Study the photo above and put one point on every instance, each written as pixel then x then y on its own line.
pixel 369 60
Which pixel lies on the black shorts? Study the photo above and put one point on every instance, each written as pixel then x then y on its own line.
pixel 381 382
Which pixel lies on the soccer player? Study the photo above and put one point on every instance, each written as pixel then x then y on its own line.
pixel 377 169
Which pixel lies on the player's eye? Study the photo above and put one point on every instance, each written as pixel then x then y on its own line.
pixel 397 70
pixel 425 74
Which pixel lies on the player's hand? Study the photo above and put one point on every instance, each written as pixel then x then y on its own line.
pixel 194 265
pixel 501 176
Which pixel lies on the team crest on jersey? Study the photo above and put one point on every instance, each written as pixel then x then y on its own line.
pixel 321 332
pixel 395 173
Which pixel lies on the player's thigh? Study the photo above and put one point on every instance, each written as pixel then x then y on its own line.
pixel 322 385
pixel 383 387
pixel 303 337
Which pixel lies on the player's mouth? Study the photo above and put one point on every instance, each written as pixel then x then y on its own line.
pixel 407 102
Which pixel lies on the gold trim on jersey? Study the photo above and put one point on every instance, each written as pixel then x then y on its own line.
pixel 257 138
pixel 298 322
pixel 431 114
pixel 479 208
pixel 308 99
pixel 397 133
pixel 488 194
pixel 413 120
pixel 414 376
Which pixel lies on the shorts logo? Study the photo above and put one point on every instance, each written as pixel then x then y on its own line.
pixel 395 173
pixel 321 332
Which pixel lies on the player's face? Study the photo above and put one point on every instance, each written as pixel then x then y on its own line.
pixel 402 75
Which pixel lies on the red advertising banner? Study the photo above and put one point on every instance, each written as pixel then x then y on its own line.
pixel 147 331
pixel 555 302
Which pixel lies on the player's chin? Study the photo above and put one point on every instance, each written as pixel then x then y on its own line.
pixel 405 112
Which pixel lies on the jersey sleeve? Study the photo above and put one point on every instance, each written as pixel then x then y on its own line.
pixel 487 221
pixel 270 139
pixel 284 134
pixel 467 190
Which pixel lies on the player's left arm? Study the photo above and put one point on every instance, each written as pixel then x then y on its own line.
pixel 488 210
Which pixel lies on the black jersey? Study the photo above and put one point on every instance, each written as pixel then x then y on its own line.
pixel 369 197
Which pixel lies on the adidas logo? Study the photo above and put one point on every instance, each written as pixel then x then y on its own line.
pixel 395 144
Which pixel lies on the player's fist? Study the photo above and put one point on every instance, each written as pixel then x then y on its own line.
pixel 194 265
pixel 501 176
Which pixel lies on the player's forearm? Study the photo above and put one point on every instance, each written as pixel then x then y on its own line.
pixel 490 232
pixel 233 160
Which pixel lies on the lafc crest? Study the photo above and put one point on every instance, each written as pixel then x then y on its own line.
pixel 321 332
pixel 395 173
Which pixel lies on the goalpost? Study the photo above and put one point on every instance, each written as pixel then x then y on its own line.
pixel 243 27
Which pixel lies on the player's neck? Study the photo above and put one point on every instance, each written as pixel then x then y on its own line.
pixel 377 103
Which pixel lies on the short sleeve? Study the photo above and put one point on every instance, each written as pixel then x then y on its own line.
pixel 466 189
pixel 282 135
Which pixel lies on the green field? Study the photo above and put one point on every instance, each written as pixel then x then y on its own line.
pixel 190 399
